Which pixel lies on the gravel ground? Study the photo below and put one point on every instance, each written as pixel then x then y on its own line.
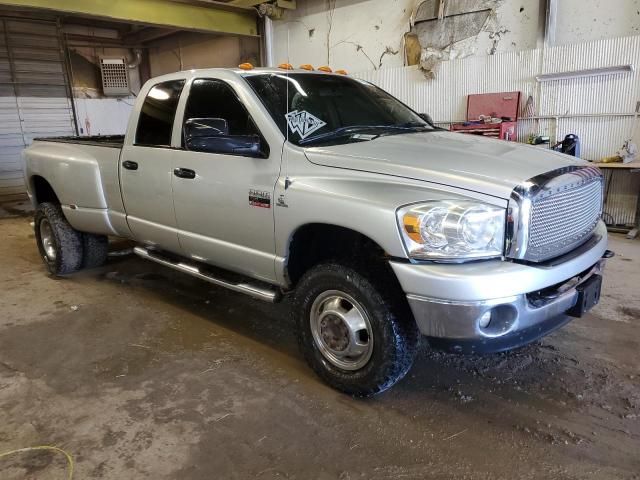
pixel 140 372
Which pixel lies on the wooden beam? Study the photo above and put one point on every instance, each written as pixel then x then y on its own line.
pixel 162 13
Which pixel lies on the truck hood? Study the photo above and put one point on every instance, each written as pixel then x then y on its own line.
pixel 468 162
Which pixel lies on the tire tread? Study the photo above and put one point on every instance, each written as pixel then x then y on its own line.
pixel 68 240
pixel 95 250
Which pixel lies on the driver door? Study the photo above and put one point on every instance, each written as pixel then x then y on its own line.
pixel 218 222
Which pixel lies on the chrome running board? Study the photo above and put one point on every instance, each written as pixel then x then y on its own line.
pixel 264 293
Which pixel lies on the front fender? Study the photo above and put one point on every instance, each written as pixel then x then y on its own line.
pixel 360 201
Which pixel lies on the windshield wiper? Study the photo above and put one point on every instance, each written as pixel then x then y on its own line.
pixel 351 130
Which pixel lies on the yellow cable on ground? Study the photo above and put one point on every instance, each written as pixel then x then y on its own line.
pixel 44 447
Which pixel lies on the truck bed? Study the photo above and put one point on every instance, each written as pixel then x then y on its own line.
pixel 112 141
pixel 83 172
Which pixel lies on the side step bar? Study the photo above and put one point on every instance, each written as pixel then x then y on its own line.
pixel 259 292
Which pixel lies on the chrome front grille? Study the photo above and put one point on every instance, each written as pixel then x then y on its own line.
pixel 556 213
pixel 564 220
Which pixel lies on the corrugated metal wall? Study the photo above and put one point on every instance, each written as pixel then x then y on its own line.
pixel 34 98
pixel 621 189
pixel 599 109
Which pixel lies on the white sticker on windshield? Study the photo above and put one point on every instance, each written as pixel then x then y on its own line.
pixel 303 123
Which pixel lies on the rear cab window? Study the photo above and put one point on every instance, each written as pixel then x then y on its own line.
pixel 155 123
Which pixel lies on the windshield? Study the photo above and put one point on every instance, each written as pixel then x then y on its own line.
pixel 330 108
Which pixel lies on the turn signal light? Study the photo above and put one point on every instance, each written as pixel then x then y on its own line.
pixel 341 72
pixel 412 227
pixel 306 66
pixel 245 66
pixel 285 66
pixel 325 69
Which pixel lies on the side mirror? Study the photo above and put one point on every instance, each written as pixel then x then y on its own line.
pixel 205 127
pixel 211 135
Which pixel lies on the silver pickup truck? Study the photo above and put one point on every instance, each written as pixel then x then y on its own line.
pixel 317 186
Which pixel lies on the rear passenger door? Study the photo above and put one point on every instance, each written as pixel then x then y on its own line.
pixel 225 211
pixel 146 169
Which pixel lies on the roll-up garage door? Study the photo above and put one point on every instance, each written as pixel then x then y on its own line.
pixel 34 94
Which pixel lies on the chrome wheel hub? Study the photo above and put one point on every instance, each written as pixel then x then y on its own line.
pixel 341 330
pixel 46 237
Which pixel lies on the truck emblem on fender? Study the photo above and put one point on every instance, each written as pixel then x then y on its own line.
pixel 303 123
pixel 259 198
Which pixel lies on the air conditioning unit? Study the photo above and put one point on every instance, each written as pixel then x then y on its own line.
pixel 115 77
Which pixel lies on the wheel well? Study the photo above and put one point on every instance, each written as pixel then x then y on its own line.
pixel 43 191
pixel 317 242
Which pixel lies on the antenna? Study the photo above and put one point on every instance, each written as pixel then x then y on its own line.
pixel 286 72
pixel 285 159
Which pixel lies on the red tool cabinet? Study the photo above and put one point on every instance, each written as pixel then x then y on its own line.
pixel 502 105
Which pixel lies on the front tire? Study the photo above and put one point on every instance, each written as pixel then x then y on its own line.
pixel 60 246
pixel 357 336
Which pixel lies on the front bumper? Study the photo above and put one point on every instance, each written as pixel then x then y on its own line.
pixel 448 301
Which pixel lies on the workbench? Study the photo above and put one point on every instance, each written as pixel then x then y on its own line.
pixel 620 168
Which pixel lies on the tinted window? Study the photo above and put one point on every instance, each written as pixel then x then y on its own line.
pixel 210 98
pixel 333 101
pixel 157 114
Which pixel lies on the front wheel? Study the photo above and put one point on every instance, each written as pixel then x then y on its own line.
pixel 355 335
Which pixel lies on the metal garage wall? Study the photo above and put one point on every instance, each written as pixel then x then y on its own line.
pixel 599 109
pixel 34 98
pixel 621 196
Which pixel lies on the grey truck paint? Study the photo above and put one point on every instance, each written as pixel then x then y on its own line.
pixel 358 186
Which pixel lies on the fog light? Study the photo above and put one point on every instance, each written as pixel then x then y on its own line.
pixel 485 319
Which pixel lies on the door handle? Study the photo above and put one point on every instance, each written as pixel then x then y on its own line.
pixel 129 165
pixel 184 173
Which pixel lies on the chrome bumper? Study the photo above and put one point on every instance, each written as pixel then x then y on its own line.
pixel 462 320
pixel 449 301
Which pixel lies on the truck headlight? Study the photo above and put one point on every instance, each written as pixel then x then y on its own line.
pixel 452 230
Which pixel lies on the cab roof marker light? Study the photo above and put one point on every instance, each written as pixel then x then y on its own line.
pixel 325 68
pixel 341 72
pixel 285 66
pixel 306 66
pixel 246 66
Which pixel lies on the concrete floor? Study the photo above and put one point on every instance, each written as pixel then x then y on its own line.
pixel 141 372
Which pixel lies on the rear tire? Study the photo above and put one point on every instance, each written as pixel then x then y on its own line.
pixel 60 246
pixel 95 250
pixel 357 336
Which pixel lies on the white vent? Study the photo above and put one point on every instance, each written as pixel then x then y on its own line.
pixel 115 80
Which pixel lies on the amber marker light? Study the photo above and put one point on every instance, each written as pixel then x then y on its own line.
pixel 412 227
pixel 325 69
pixel 245 66
pixel 285 66
pixel 306 66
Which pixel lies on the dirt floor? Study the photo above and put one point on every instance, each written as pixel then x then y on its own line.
pixel 141 372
